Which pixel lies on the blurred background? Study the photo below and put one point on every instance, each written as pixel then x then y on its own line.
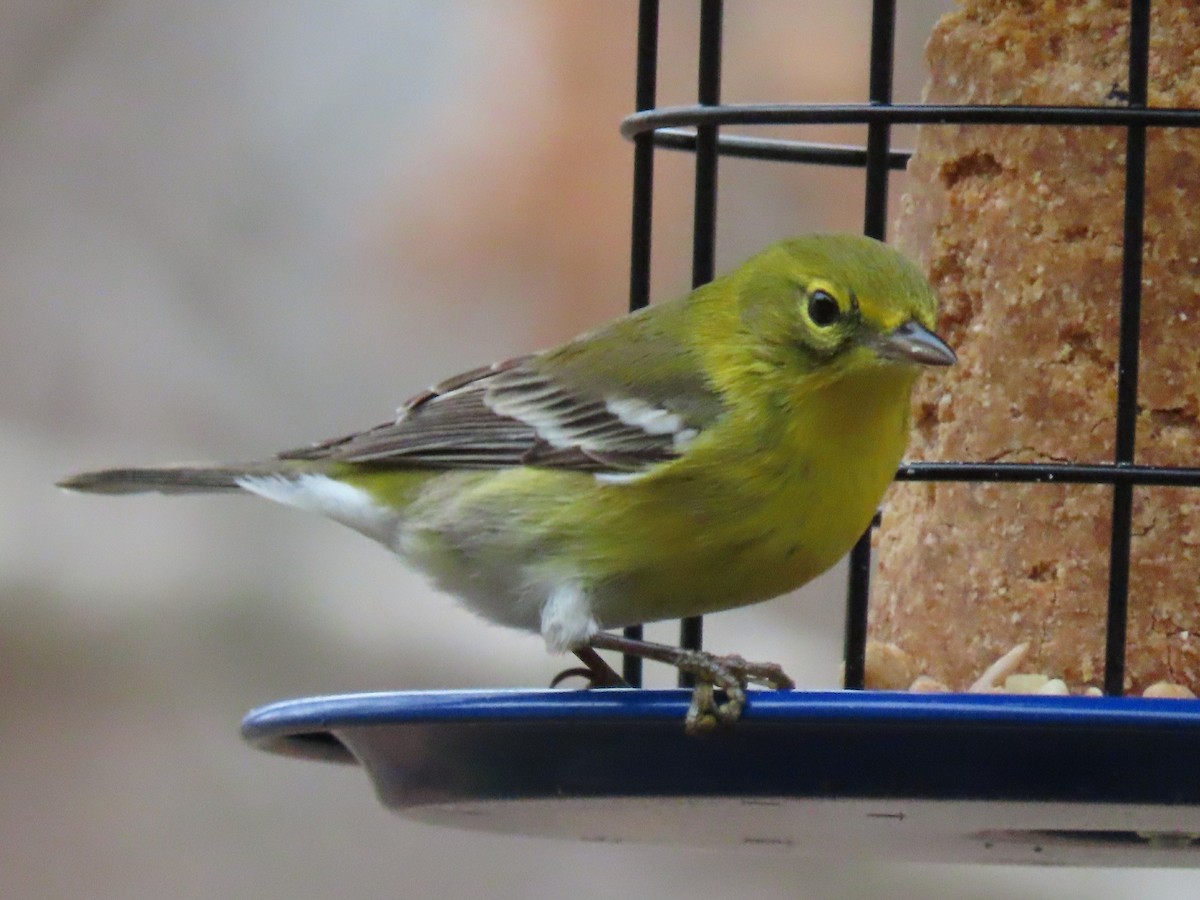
pixel 233 227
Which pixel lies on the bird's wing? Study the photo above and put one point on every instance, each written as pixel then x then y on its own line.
pixel 541 411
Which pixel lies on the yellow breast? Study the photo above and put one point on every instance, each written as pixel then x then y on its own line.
pixel 725 528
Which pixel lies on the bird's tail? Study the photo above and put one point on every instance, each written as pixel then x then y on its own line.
pixel 183 479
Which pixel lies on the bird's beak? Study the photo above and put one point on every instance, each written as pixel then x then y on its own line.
pixel 913 342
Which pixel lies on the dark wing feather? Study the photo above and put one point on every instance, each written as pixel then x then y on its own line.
pixel 512 414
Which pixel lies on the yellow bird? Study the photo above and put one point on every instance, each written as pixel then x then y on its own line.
pixel 704 453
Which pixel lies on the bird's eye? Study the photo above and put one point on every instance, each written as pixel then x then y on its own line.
pixel 823 309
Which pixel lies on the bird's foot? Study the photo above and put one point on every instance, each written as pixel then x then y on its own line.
pixel 729 674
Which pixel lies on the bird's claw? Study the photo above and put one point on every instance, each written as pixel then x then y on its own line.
pixel 767 674
pixel 712 673
pixel 730 674
pixel 704 713
pixel 576 672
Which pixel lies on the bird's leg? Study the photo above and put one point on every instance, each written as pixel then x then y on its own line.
pixel 594 669
pixel 729 673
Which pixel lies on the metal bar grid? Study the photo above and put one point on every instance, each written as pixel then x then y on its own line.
pixel 695 128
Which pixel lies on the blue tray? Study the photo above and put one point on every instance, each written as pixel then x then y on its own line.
pixel 965 778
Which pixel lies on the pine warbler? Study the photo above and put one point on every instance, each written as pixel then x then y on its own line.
pixel 704 453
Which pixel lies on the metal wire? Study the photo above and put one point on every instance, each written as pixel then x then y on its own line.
pixel 704 226
pixel 775 150
pixel 858 590
pixel 1127 364
pixel 641 228
pixel 668 128
pixel 904 114
pixel 1051 473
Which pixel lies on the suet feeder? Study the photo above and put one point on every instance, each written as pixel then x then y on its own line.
pixel 1105 779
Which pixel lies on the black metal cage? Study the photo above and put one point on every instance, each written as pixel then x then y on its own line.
pixel 698 129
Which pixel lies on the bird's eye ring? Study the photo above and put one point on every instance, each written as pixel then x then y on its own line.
pixel 823 309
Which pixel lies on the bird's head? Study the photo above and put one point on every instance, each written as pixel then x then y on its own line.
pixel 837 303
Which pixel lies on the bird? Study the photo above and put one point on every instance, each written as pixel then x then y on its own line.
pixel 702 453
